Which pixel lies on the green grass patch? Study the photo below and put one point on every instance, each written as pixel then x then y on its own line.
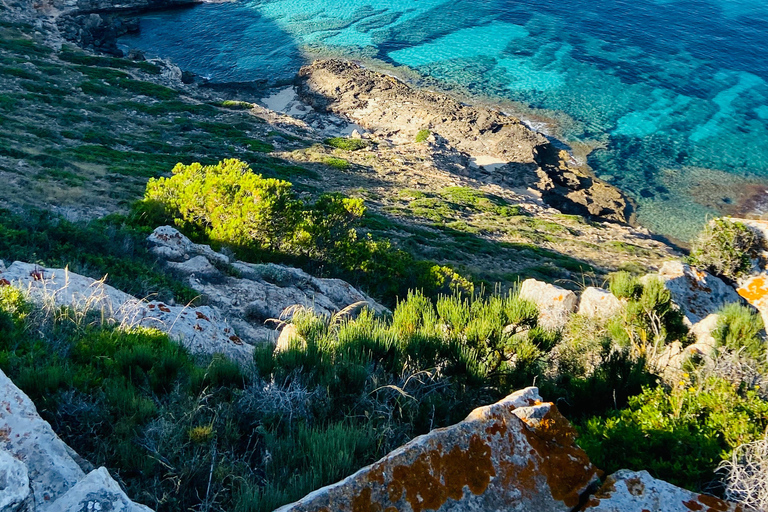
pixel 346 144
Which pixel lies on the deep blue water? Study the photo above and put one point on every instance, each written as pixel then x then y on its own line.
pixel 673 94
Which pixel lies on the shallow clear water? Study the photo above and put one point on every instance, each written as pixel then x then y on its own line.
pixel 673 94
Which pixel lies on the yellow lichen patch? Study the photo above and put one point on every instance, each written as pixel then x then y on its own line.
pixel 566 467
pixel 434 477
pixel 754 290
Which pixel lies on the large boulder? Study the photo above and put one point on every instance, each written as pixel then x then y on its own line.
pixel 252 294
pixel 14 482
pixel 27 437
pixel 599 303
pixel 202 330
pixel 518 454
pixel 39 473
pixel 555 304
pixel 638 491
pixel 697 293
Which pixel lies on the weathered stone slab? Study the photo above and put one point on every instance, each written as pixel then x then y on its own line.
pixel 598 303
pixel 697 293
pixel 754 289
pixel 630 491
pixel 28 438
pixel 252 294
pixel 14 482
pixel 555 304
pixel 202 330
pixel 97 491
pixel 517 454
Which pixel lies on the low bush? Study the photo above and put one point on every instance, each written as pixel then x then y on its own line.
pixel 262 219
pixel 724 248
pixel 681 435
pixel 740 329
pixel 423 135
pixel 346 144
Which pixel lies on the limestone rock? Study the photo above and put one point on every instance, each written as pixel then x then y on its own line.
pixel 252 294
pixel 517 454
pixel 555 304
pixel 697 293
pixel 202 330
pixel 754 289
pixel 28 438
pixel 702 331
pixel 598 303
pixel 630 491
pixel 391 109
pixel 14 482
pixel 97 491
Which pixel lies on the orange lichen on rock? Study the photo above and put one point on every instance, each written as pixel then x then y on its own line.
pixel 566 467
pixel 755 290
pixel 714 504
pixel 693 505
pixel 434 476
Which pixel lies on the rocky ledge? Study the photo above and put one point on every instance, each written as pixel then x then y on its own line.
pixel 517 454
pixel 498 147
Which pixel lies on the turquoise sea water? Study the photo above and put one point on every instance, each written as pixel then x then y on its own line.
pixel 672 94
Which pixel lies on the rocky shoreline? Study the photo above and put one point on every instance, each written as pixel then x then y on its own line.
pixel 495 148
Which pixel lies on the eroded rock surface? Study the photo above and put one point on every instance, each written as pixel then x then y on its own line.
pixel 39 473
pixel 638 491
pixel 494 144
pixel 598 303
pixel 517 454
pixel 202 330
pixel 249 294
pixel 97 491
pixel 14 482
pixel 697 293
pixel 555 304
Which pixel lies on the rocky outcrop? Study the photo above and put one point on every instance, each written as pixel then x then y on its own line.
pixel 518 454
pixel 14 482
pixel 97 491
pixel 251 294
pixel 598 303
pixel 754 286
pixel 501 146
pixel 202 330
pixel 697 293
pixel 39 473
pixel 630 491
pixel 555 304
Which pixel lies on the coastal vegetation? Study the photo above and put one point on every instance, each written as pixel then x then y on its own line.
pixel 184 432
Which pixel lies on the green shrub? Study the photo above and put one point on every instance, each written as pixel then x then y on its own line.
pixel 262 219
pixel 236 105
pixel 740 328
pixel 724 248
pixel 346 144
pixel 625 285
pixel 680 435
pixel 423 135
pixel 336 163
